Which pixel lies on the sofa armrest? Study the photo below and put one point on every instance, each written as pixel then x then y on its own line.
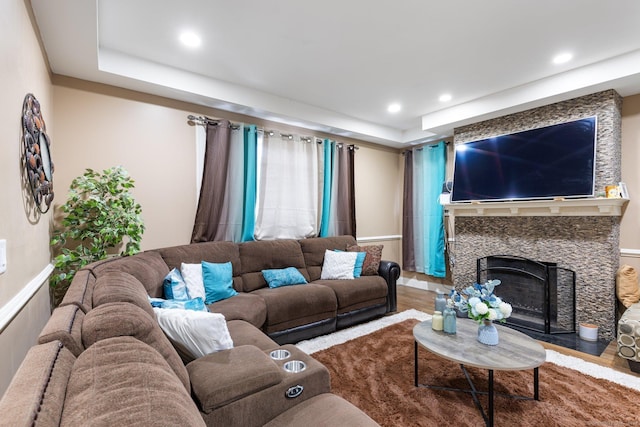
pixel 220 378
pixel 390 271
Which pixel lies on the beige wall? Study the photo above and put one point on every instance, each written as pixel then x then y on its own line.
pixel 23 71
pixel 629 234
pixel 99 126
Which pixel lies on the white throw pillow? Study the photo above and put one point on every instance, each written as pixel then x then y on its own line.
pixel 338 265
pixel 192 275
pixel 200 332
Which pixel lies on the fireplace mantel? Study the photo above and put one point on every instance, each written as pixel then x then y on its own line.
pixel 558 207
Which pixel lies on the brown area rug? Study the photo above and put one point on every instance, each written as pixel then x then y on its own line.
pixel 375 373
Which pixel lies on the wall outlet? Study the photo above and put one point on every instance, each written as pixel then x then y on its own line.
pixel 3 255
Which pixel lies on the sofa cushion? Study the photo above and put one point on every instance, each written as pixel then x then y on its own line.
pixel 174 286
pixel 199 332
pixel 309 412
pixel 195 304
pixel 193 278
pixel 338 265
pixel 244 306
pixel 148 267
pixel 35 395
pixel 627 288
pixel 81 293
pixel 365 291
pixel 224 377
pixel 292 306
pixel 124 319
pixel 195 253
pixel 121 381
pixel 218 281
pixel 267 255
pixel 283 277
pixel 372 258
pixel 313 250
pixel 244 333
pixel 64 325
pixel 119 286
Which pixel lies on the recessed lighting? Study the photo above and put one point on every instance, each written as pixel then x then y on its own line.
pixel 394 108
pixel 190 39
pixel 562 58
pixel 445 97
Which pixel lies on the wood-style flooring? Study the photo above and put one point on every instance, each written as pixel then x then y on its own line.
pixel 422 300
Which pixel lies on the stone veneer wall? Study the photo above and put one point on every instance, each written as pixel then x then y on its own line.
pixel 589 245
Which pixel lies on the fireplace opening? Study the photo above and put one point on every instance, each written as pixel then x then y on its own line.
pixel 541 293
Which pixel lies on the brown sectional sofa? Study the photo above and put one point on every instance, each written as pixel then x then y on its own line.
pixel 102 358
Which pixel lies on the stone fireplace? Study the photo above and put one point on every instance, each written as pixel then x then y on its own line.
pixel 579 235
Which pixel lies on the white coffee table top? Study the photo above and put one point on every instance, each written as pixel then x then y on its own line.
pixel 515 351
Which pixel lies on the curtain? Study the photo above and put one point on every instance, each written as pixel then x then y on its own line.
pixel 408 244
pixel 287 201
pixel 214 184
pixel 423 222
pixel 338 207
pixel 262 187
pixel 226 207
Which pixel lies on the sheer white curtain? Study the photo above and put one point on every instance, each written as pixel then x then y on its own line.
pixel 233 197
pixel 289 183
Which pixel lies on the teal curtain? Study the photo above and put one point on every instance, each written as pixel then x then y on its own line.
pixel 250 182
pixel 434 175
pixel 423 222
pixel 326 187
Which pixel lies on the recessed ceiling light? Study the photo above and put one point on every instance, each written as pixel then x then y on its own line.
pixel 394 108
pixel 562 58
pixel 190 39
pixel 445 97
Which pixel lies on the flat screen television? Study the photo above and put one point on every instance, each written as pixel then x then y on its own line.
pixel 543 163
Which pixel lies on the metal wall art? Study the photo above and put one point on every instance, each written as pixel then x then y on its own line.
pixel 37 154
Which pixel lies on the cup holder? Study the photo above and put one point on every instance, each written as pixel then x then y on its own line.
pixel 280 354
pixel 295 366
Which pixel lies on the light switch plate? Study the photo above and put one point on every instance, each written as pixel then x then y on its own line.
pixel 3 255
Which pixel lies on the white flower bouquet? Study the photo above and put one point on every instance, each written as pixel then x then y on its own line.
pixel 480 303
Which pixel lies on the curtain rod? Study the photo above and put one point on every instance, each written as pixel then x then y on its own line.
pixel 204 120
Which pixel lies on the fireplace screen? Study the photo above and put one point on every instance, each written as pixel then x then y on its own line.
pixel 541 293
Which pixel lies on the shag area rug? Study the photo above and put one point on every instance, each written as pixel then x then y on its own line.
pixel 371 366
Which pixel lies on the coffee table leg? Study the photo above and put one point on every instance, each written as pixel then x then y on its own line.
pixel 415 363
pixel 536 393
pixel 490 424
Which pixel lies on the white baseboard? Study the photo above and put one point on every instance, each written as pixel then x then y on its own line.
pixel 11 309
pixel 423 284
pixel 378 238
pixel 631 253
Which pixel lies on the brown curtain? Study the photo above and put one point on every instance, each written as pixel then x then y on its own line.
pixel 408 253
pixel 346 202
pixel 207 226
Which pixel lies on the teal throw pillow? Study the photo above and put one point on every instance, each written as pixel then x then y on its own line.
pixel 194 304
pixel 283 277
pixel 218 281
pixel 174 286
pixel 357 268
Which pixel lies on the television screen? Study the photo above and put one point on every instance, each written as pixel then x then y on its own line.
pixel 544 163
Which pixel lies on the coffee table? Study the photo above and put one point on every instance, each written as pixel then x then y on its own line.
pixel 514 352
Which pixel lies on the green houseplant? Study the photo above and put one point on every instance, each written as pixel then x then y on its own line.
pixel 99 216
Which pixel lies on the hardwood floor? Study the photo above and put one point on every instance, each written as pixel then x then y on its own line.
pixel 422 300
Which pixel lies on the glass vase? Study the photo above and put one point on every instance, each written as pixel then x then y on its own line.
pixel 487 333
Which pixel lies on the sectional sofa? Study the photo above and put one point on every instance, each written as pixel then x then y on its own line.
pixel 103 359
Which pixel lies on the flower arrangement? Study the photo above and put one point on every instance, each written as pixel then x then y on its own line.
pixel 480 303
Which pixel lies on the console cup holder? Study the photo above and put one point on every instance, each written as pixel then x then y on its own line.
pixel 295 366
pixel 280 354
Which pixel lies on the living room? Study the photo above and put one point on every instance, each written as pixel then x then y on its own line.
pixel 99 125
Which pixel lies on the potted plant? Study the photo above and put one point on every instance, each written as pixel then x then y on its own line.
pixel 99 215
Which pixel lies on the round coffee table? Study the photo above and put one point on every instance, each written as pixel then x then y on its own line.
pixel 514 352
